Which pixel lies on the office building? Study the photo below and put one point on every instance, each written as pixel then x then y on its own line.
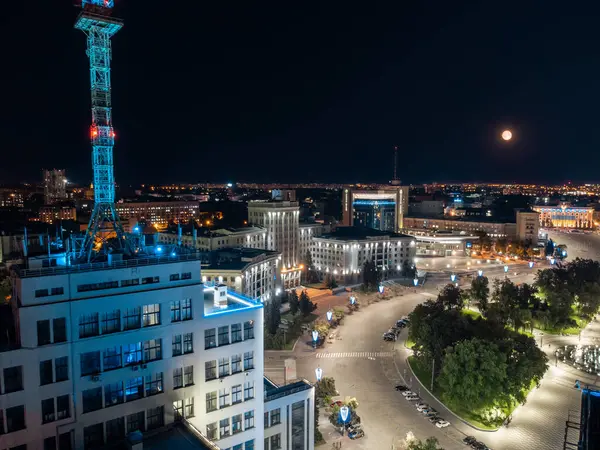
pixel 528 225
pixel 343 253
pixel 381 209
pixel 11 198
pixel 565 216
pixel 53 214
pixel 308 231
pixel 158 213
pixel 55 186
pixel 281 220
pixel 209 240
pixel 254 273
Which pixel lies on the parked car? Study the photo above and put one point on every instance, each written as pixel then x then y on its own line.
pixel 469 440
pixel 433 419
pixel 401 324
pixel 389 337
pixel 407 393
pixel 420 408
pixel 337 403
pixel 441 423
pixel 429 412
pixel 413 399
pixel 402 388
pixel 356 434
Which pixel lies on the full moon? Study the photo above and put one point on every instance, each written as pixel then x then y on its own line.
pixel 507 135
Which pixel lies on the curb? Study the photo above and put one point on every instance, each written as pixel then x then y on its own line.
pixel 444 405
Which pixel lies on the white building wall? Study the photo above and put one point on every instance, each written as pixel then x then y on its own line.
pixel 283 406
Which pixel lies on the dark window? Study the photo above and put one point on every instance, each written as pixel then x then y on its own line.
pixel 249 445
pixel 132 282
pixel 15 418
pixel 211 401
pixel 151 315
pixel 1 421
pixel 111 358
pixel 224 427
pixel 46 376
pixel 248 420
pixel 174 277
pixel 249 330
pixel 276 441
pixel 276 416
pixel 13 379
pixel 63 407
pixel 132 318
pixel 186 276
pixel 111 321
pixel 176 311
pixel 65 441
pixel 43 332
pixel 90 363
pixel 223 397
pixel 266 423
pixel 61 366
pixel 188 376
pixel 236 424
pixel 210 340
pixel 57 291
pixel 115 429
pixel 236 363
pixel 249 360
pixel 135 422
pixel 236 332
pixel 60 329
pixel 88 325
pixel 188 343
pixel 48 410
pixel 211 431
pixel 132 353
pixel 177 350
pixel 150 280
pixel 153 350
pixel 210 370
pixel 93 436
pixel 236 394
pixel 41 293
pixel 50 443
pixel 155 417
pixel 92 399
pixel 224 335
pixel 223 367
pixel 177 378
pixel 154 384
pixel 113 394
pixel 134 389
pixel 186 309
pixel 248 390
pixel 188 403
pixel 97 286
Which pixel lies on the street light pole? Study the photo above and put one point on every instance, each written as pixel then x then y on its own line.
pixel 432 372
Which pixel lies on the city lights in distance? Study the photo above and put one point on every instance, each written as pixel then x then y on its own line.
pixel 507 135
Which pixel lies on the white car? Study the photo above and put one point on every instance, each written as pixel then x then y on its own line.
pixel 442 424
pixel 421 407
pixel 414 398
pixel 407 393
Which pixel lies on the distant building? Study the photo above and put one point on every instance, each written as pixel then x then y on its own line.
pixel 159 213
pixel 381 209
pixel 309 231
pixel 343 253
pixel 281 220
pixel 426 208
pixel 284 195
pixel 209 240
pixel 565 216
pixel 528 225
pixel 55 186
pixel 252 272
pixel 53 214
pixel 11 198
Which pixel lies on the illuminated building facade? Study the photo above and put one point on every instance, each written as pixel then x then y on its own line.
pixel 281 220
pixel 208 240
pixel 381 209
pixel 159 213
pixel 52 214
pixel 11 198
pixel 55 184
pixel 565 216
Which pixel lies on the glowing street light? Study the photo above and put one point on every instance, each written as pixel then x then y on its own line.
pixel 319 373
pixel 505 269
pixel 329 315
pixel 173 254
pixel 381 288
pixel 344 413
pixel 159 249
pixel 480 272
pixel 453 278
pixel 531 264
pixel 352 299
pixel 552 261
pixel 416 282
pixel 136 229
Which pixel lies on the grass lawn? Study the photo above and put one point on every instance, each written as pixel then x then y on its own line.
pixel 424 375
pixel 293 334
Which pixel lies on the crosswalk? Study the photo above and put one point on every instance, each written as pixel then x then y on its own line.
pixel 355 355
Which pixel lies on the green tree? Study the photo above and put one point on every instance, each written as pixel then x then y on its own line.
pixel 273 315
pixel 501 245
pixel 330 282
pixel 294 302
pixel 451 297
pixel 311 273
pixel 408 270
pixel 318 436
pixel 430 444
pixel 526 296
pixel 506 302
pixel 325 388
pixel 480 292
pixel 484 241
pixel 305 305
pixel 371 276
pixel 473 374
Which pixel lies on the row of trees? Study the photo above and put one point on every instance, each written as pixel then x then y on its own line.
pixel 557 295
pixel 300 309
pixel 479 365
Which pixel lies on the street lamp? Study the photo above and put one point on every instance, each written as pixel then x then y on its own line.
pixel 505 269
pixel 381 288
pixel 416 282
pixel 352 299
pixel 344 416
pixel 319 373
pixel 453 278
pixel 552 261
pixel 531 264
pixel 315 336
pixel 329 315
pixel 541 340
pixel 480 272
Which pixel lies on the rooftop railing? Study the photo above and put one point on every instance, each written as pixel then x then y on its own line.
pixel 289 389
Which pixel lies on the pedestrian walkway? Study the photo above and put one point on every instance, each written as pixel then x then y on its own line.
pixel 356 355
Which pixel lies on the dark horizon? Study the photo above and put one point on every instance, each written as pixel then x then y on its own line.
pixel 264 92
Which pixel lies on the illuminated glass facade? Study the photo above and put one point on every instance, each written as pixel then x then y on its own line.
pixel 376 214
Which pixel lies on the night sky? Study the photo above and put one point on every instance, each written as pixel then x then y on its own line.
pixel 309 91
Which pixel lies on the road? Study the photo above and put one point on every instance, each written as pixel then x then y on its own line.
pixel 579 245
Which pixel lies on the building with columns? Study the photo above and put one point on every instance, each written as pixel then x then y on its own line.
pixel 281 221
pixel 381 209
pixel 565 216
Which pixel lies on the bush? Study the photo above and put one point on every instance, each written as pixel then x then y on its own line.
pixel 274 341
pixel 325 388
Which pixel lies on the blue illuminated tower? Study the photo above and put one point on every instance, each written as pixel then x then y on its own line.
pixel 96 23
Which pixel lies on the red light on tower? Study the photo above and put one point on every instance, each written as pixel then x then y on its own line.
pixel 112 134
pixel 94 132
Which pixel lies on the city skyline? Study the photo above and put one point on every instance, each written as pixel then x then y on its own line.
pixel 334 92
